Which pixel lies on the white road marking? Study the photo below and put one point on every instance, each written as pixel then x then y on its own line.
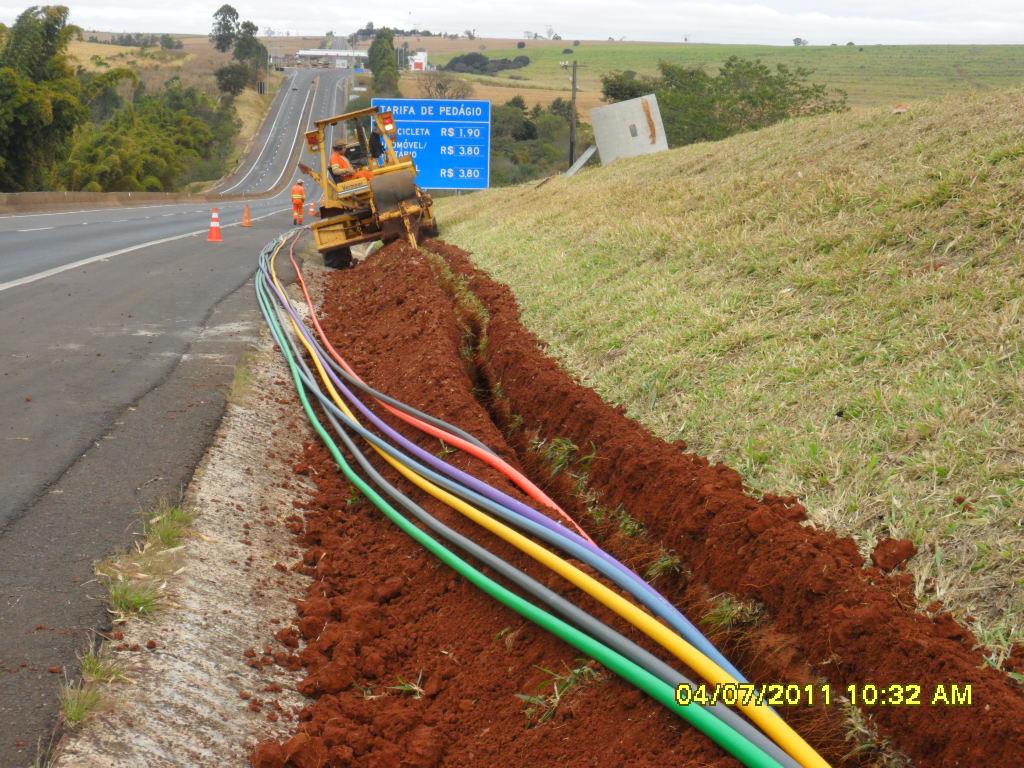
pixel 270 135
pixel 89 210
pixel 104 256
pixel 298 128
pixel 34 229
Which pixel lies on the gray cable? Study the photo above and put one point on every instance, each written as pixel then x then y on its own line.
pixel 570 612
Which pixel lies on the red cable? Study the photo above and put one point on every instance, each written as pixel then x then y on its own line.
pixel 493 460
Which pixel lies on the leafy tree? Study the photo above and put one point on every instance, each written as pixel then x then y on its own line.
pixel 232 78
pixel 381 59
pixel 751 96
pixel 134 39
pixel 225 28
pixel 40 98
pixel 623 86
pixel 382 50
pixel 511 122
pixel 385 83
pixel 561 107
pixel 744 95
pixel 169 43
pixel 249 50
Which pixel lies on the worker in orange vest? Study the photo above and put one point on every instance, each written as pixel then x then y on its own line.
pixel 340 165
pixel 298 201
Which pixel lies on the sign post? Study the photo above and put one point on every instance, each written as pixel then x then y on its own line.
pixel 450 139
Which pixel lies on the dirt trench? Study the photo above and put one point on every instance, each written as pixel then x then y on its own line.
pixel 407 665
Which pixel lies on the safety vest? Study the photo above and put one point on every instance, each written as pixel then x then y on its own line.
pixel 339 159
pixel 299 193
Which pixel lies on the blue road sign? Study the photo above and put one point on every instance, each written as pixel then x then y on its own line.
pixel 449 139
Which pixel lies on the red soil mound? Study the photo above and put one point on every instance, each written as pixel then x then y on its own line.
pixel 381 613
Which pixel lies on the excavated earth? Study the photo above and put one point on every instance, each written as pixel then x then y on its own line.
pixel 429 328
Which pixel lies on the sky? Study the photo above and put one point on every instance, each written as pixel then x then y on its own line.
pixel 772 22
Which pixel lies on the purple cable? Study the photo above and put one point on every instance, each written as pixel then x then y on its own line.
pixel 676 619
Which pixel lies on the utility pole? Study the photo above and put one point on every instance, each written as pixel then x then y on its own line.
pixel 572 118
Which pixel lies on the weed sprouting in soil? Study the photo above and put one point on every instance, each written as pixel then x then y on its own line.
pixel 413 689
pixel 508 636
pixel 78 702
pixel 543 705
pixel 628 524
pixel 666 563
pixel 559 452
pixel 135 579
pixel 868 747
pixel 729 613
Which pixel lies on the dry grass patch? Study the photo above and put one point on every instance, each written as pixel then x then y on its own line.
pixel 137 579
pixel 834 306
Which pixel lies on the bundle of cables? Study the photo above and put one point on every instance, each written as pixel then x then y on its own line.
pixel 760 739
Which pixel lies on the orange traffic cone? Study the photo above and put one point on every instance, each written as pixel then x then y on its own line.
pixel 312 208
pixel 247 216
pixel 214 236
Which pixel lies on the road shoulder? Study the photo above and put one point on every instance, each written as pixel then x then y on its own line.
pixel 50 602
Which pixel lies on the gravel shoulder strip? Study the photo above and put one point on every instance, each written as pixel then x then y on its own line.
pixel 207 692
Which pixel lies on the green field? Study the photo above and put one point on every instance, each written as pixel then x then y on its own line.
pixel 872 75
pixel 833 305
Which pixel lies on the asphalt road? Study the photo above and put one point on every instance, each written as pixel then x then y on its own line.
pixel 119 333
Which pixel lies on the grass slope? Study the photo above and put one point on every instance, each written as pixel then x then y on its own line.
pixel 833 305
pixel 872 75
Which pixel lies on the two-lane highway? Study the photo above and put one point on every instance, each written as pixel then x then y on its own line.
pixel 119 332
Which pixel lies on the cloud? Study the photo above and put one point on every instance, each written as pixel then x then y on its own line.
pixel 770 21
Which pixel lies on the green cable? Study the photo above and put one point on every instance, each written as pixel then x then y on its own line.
pixel 708 724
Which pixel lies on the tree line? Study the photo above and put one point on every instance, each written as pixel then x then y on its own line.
pixel 479 64
pixel 141 40
pixel 62 128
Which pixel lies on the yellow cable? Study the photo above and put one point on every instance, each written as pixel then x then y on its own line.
pixel 773 725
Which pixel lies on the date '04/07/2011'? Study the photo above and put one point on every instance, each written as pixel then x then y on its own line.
pixel 812 694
